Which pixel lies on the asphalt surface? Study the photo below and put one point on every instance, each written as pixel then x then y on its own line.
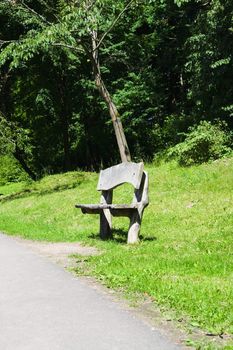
pixel 43 307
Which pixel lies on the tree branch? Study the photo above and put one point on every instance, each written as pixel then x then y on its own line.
pixel 2 42
pixel 67 46
pixel 29 9
pixel 44 3
pixel 113 24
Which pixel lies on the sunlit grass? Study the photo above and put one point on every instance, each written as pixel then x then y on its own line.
pixel 184 260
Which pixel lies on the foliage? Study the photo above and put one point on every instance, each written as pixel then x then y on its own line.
pixel 13 137
pixel 167 64
pixel 209 61
pixel 185 252
pixel 204 142
pixel 10 171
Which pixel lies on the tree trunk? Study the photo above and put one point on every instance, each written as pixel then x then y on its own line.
pixel 64 119
pixel 118 128
pixel 66 141
pixel 19 157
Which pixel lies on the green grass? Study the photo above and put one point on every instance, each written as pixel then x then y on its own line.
pixel 185 258
pixel 11 188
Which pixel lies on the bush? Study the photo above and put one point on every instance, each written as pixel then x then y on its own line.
pixel 205 142
pixel 11 171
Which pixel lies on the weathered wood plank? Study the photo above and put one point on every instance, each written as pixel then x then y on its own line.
pixel 109 179
pixel 105 224
pixel 134 228
pixel 105 215
pixel 115 210
pixel 119 174
pixel 106 206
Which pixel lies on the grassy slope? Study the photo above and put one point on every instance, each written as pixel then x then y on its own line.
pixel 185 258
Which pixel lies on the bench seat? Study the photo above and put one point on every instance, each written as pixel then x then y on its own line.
pixel 113 208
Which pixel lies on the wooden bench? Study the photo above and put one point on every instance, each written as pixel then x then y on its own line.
pixel 109 179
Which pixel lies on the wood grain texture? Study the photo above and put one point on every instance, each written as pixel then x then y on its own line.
pixel 109 179
pixel 105 215
pixel 118 174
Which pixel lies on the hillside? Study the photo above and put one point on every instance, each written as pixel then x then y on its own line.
pixel 184 260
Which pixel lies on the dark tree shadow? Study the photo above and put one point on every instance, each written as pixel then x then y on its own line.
pixel 40 191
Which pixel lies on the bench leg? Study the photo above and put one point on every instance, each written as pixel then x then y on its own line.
pixel 105 224
pixel 134 228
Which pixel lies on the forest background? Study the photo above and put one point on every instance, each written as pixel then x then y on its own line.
pixel 167 65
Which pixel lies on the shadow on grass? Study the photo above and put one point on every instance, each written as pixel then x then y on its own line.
pixel 33 190
pixel 120 236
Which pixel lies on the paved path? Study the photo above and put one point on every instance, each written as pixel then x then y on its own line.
pixel 43 307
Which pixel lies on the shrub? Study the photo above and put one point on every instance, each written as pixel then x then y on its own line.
pixel 10 170
pixel 203 143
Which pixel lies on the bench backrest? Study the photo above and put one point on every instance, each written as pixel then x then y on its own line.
pixel 127 172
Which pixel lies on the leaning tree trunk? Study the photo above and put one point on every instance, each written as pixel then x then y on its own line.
pixel 118 128
pixel 18 154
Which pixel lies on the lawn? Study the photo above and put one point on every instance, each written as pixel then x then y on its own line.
pixel 185 258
